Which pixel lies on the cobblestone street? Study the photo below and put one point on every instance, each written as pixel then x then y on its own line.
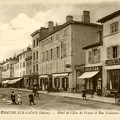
pixel 49 102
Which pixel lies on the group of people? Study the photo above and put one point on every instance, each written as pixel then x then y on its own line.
pixel 31 97
pixel 19 98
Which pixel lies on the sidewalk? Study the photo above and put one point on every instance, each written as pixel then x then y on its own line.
pixel 74 95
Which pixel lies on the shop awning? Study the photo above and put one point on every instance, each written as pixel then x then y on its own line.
pixel 14 81
pixel 6 81
pixel 60 75
pixel 43 76
pixel 88 74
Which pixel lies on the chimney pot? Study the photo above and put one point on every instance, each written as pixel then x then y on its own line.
pixel 86 16
pixel 50 26
pixel 69 18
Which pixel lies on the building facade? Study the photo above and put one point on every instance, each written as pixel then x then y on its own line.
pixel 61 53
pixel 92 78
pixel 111 43
pixel 28 76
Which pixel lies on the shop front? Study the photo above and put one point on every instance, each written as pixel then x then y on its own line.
pixel 93 79
pixel 112 70
pixel 60 81
pixel 43 82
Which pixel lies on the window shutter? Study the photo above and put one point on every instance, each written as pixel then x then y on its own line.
pixel 108 52
pixel 98 54
pixel 118 51
pixel 90 56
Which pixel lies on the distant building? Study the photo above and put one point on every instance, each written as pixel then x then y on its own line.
pixel 8 70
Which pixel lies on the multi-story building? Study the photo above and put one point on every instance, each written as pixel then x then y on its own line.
pixel 22 67
pixel 16 69
pixel 111 54
pixel 8 69
pixel 35 53
pixel 92 77
pixel 61 53
pixel 28 76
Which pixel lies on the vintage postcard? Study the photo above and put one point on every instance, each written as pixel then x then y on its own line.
pixel 59 59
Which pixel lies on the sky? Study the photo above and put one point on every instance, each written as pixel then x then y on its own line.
pixel 20 18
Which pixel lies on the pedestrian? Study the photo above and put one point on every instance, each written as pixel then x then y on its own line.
pixel 92 93
pixel 84 94
pixel 13 97
pixel 31 98
pixel 19 98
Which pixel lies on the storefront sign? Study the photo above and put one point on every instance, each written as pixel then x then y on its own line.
pixel 112 62
pixel 96 68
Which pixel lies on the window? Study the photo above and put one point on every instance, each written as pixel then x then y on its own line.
pixel 20 65
pixel 30 63
pixel 51 39
pixel 23 64
pixel 42 56
pixel 64 46
pixel 24 55
pixel 37 42
pixel 33 68
pixel 57 37
pixel 114 27
pixel 50 53
pixel 33 43
pixel 89 56
pixel 46 41
pixel 95 55
pixel 23 72
pixel 65 32
pixel 20 57
pixel 113 78
pixel 7 66
pixel 36 55
pixel 27 63
pixel 58 51
pixel 30 72
pixel 113 52
pixel 42 43
pixel 37 68
pixel 46 55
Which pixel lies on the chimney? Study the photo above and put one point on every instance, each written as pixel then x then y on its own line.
pixel 86 16
pixel 50 26
pixel 28 48
pixel 69 18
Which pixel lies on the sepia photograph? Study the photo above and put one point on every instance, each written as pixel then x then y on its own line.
pixel 59 59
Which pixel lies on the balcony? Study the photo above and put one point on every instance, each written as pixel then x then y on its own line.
pixel 114 61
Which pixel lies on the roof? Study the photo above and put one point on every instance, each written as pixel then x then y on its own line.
pixel 33 34
pixel 66 24
pixel 93 45
pixel 108 17
pixel 28 58
pixel 21 53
